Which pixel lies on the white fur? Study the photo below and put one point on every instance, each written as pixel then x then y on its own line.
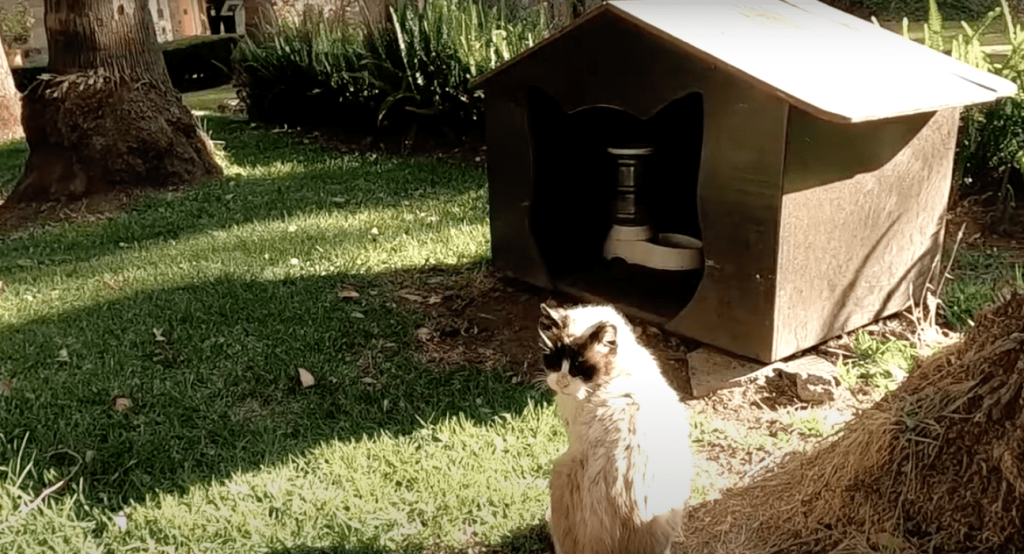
pixel 622 484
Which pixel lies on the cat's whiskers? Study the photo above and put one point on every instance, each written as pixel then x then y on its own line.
pixel 540 381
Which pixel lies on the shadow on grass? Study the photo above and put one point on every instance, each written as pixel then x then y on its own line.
pixel 210 370
pixel 271 176
pixel 210 367
pixel 12 164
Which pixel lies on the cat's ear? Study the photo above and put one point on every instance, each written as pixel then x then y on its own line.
pixel 552 316
pixel 605 336
pixel 552 311
pixel 552 323
pixel 601 348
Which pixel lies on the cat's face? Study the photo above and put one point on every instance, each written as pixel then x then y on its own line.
pixel 574 358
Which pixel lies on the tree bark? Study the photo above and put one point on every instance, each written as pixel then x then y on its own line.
pixel 10 102
pixel 106 117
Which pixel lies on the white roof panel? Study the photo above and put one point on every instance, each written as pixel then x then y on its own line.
pixel 819 58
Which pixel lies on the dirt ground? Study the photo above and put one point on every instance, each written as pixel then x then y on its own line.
pixel 489 321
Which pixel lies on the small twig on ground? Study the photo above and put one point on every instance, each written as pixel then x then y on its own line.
pixel 952 256
pixel 47 492
pixel 923 312
pixel 59 485
pixel 759 468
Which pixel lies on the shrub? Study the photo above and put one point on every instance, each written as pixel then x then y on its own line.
pixel 323 68
pixel 918 9
pixel 991 141
pixel 427 57
pixel 16 24
pixel 306 70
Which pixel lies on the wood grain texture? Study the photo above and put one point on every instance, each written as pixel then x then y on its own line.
pixel 862 221
pixel 739 195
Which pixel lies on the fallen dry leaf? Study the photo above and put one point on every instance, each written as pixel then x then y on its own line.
pixel 423 334
pixel 348 294
pixel 6 387
pixel 3 287
pixel 369 381
pixel 121 404
pixel 358 315
pixel 306 378
pixel 62 355
pixel 408 295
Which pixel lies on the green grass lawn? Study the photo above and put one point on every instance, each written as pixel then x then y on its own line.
pixel 979 275
pixel 198 308
pixel 148 368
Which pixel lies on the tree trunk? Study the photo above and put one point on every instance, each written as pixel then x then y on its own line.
pixel 10 102
pixel 107 117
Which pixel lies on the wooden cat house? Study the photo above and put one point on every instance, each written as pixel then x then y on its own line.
pixel 805 153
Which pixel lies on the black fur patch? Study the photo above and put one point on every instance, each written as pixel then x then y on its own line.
pixel 588 356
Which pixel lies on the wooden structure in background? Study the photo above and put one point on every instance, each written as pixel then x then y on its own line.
pixel 809 150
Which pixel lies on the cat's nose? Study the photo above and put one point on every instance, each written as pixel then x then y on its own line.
pixel 563 382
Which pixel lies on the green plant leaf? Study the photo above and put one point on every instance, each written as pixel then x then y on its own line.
pixel 934 27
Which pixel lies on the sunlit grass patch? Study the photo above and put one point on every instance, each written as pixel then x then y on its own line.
pixel 881 363
pixel 810 423
pixel 198 308
pixel 977 277
pixel 149 362
pixel 444 485
pixel 12 163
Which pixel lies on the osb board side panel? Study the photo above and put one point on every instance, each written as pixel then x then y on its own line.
pixel 862 221
pixel 738 196
pixel 607 61
pixel 510 187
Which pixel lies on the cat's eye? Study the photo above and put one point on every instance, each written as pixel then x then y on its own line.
pixel 577 368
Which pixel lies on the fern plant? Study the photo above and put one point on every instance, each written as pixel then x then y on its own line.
pixel 428 52
pixel 991 142
pixel 418 62
pixel 934 27
pixel 16 24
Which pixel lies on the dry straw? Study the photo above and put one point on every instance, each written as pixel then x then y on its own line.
pixel 937 466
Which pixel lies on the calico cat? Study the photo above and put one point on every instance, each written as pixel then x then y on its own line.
pixel 622 484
